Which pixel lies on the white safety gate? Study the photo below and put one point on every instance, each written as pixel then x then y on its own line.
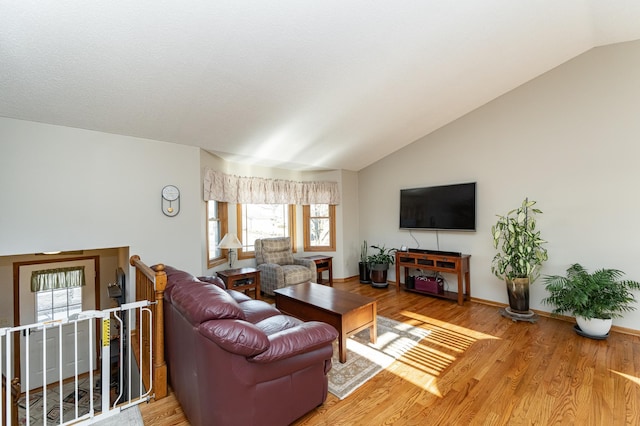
pixel 63 401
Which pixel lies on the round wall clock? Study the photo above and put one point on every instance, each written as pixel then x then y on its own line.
pixel 170 200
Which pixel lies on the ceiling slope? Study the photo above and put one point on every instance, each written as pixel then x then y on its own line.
pixel 298 84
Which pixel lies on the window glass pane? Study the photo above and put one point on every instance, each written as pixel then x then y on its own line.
pixel 214 229
pixel 59 298
pixel 58 304
pixel 44 300
pixel 319 210
pixel 60 313
pixel 74 309
pixel 75 296
pixel 263 221
pixel 319 232
pixel 44 316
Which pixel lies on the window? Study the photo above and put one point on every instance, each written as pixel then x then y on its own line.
pixel 263 221
pixel 58 303
pixel 216 229
pixel 319 227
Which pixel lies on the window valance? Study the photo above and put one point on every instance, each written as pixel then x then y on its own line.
pixel 49 279
pixel 220 186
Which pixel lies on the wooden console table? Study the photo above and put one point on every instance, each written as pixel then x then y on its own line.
pixel 458 265
pixel 242 279
pixel 323 263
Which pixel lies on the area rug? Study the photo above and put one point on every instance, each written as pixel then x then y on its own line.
pixel 365 359
pixel 37 416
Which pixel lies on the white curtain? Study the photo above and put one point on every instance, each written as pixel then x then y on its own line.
pixel 220 186
pixel 49 279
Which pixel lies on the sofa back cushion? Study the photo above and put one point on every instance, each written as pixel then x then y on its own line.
pixel 200 302
pixel 277 250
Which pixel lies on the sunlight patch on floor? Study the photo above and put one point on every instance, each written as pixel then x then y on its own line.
pixel 634 379
pixel 437 350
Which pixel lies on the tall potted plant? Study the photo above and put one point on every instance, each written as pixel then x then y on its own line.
pixel 379 265
pixel 363 265
pixel 521 253
pixel 593 298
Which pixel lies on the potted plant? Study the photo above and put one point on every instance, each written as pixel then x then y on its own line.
pixel 521 254
pixel 379 265
pixel 363 265
pixel 593 298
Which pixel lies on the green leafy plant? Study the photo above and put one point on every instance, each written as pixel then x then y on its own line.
pixel 602 294
pixel 364 249
pixel 384 256
pixel 521 248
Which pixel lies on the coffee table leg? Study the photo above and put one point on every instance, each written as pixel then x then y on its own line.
pixel 373 331
pixel 342 348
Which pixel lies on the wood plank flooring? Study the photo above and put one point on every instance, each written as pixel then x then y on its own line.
pixel 477 368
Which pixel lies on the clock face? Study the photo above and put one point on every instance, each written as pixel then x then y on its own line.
pixel 170 193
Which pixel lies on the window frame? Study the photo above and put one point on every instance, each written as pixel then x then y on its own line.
pixel 243 254
pixel 306 220
pixel 223 219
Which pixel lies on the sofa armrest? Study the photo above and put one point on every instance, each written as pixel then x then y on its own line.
pixel 236 336
pixel 296 340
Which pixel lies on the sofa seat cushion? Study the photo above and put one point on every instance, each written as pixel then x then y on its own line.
pixel 200 302
pixel 257 310
pixel 238 296
pixel 235 336
pixel 277 323
pixel 296 274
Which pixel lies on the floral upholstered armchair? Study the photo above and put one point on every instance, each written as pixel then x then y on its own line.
pixel 278 268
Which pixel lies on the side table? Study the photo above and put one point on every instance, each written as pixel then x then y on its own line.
pixel 323 263
pixel 242 279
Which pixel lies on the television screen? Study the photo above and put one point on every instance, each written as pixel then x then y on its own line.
pixel 446 207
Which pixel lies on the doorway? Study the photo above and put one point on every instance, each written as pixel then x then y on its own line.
pixel 60 346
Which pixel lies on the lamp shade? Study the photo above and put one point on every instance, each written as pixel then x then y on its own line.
pixel 230 241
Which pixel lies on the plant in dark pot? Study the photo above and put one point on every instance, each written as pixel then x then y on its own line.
pixel 379 265
pixel 363 265
pixel 521 255
pixel 593 298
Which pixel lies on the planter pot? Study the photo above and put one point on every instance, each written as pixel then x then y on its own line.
pixel 379 275
pixel 594 326
pixel 518 292
pixel 364 272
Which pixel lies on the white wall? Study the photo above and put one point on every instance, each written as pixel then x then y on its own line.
pixel 568 139
pixel 70 189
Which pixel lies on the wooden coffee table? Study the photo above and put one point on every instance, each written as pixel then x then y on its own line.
pixel 349 313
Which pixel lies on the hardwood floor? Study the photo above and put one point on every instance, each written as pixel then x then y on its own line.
pixel 478 368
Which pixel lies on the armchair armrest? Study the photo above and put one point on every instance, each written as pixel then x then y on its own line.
pixel 306 262
pixel 271 277
pixel 296 340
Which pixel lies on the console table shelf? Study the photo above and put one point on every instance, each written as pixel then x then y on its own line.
pixel 447 263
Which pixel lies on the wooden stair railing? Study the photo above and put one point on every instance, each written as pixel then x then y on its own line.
pixel 150 284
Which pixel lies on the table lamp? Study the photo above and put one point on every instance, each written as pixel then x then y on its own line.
pixel 230 242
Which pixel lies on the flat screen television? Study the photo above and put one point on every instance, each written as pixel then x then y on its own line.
pixel 445 207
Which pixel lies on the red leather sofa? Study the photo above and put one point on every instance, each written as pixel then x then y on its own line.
pixel 233 360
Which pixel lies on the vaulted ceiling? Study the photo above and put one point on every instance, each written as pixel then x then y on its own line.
pixel 300 84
